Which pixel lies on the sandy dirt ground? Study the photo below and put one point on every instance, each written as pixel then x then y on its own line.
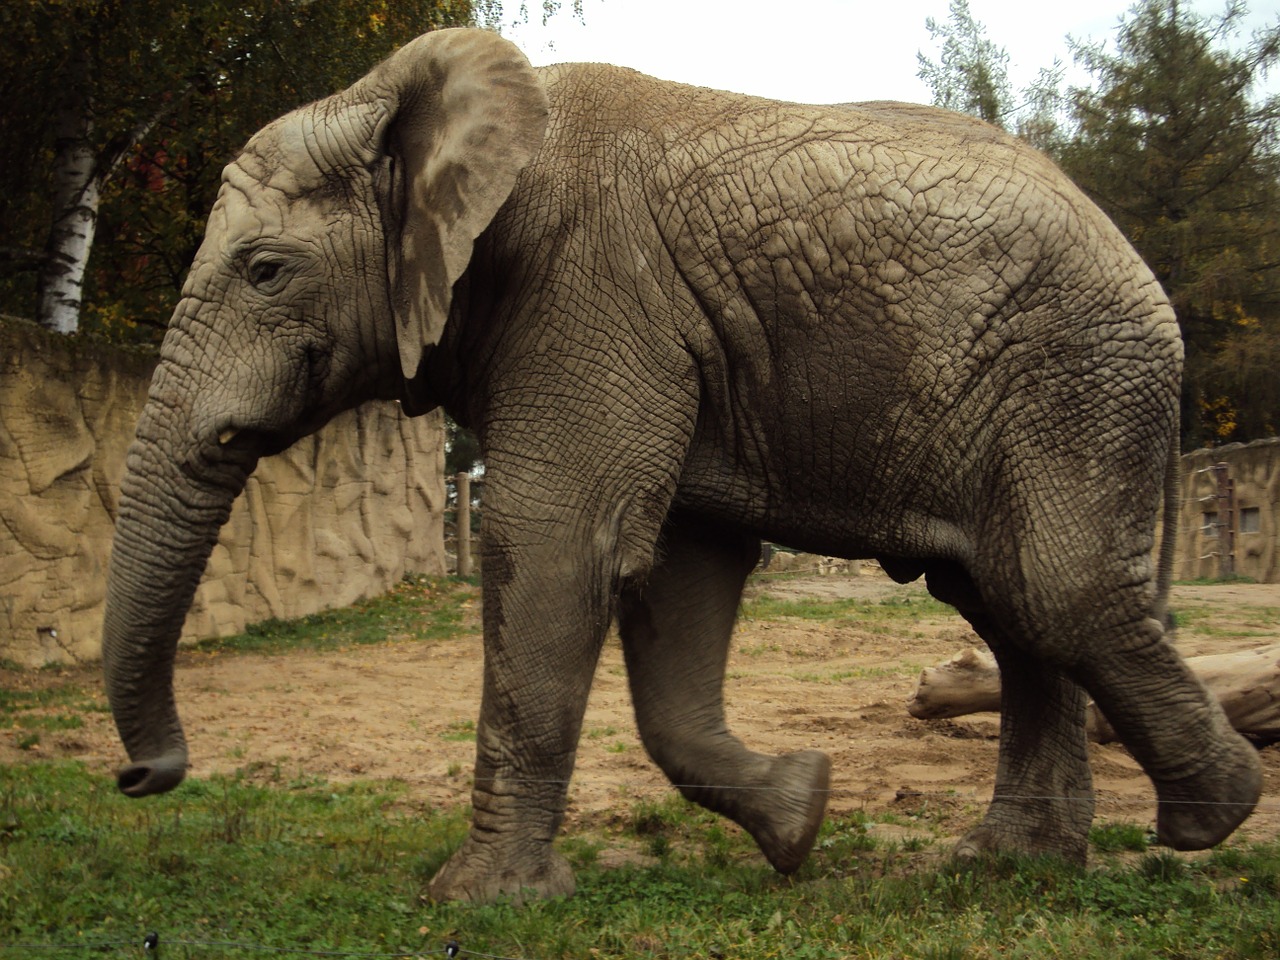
pixel 405 711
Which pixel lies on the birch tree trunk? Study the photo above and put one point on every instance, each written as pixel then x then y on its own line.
pixel 77 187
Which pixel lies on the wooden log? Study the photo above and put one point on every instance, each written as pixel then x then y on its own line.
pixel 967 683
pixel 1246 683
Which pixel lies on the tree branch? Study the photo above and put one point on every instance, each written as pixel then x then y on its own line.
pixel 21 259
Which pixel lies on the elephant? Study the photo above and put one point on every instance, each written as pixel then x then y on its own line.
pixel 683 321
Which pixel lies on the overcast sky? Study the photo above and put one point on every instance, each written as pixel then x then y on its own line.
pixel 821 51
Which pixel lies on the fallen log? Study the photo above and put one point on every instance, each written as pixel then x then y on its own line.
pixel 1246 683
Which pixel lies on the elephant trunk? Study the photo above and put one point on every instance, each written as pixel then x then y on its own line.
pixel 167 525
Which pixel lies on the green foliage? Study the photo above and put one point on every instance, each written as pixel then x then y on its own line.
pixel 971 74
pixel 29 713
pixel 842 839
pixel 171 92
pixel 1208 621
pixel 1170 145
pixel 339 866
pixel 461 449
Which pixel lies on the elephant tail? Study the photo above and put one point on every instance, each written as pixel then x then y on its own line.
pixel 1169 536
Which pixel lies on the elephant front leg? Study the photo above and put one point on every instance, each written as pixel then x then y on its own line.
pixel 545 620
pixel 675 633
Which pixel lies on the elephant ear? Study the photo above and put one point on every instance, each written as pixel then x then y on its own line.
pixel 465 113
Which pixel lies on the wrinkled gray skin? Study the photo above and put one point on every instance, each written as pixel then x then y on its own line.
pixel 683 320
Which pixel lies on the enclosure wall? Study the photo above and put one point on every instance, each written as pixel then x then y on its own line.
pixel 1235 528
pixel 341 515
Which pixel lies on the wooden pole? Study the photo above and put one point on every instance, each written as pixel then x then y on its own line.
pixel 464 524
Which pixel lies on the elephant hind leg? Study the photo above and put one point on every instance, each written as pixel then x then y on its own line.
pixel 1086 617
pixel 1043 800
pixel 675 634
pixel 1208 778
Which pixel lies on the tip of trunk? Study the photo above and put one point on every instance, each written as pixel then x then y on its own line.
pixel 152 776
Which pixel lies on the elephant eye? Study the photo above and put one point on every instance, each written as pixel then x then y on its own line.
pixel 264 270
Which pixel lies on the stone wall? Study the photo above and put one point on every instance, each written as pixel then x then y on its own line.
pixel 341 515
pixel 1254 469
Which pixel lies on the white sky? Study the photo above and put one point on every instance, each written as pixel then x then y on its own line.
pixel 821 51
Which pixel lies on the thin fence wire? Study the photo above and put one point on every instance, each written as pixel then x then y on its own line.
pixel 152 945
pixel 973 793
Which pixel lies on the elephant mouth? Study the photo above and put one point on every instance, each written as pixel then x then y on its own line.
pixel 225 457
pixel 234 444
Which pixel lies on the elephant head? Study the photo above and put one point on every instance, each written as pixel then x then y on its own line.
pixel 332 250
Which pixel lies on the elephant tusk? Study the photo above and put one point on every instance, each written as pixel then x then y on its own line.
pixel 227 435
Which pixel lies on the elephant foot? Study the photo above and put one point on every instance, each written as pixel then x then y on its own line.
pixel 784 820
pixel 478 873
pixel 1202 810
pixel 984 841
pixel 1056 827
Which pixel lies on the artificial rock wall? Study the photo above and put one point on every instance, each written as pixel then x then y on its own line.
pixel 341 515
pixel 1253 512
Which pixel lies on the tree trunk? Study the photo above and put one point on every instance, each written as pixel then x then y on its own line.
pixel 1246 683
pixel 77 186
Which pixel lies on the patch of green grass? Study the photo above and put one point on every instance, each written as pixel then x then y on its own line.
pixel 1206 620
pixel 57 721
pixel 675 830
pixel 905 669
pixel 839 838
pixel 337 866
pixel 1119 837
pixel 898 610
pixel 460 731
pixel 1215 581
pixel 321 867
pixel 1185 617
pixel 418 608
pixel 759 649
pixel 834 676
pixel 15 701
pixel 45 709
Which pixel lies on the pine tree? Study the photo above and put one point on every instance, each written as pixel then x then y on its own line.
pixel 1170 145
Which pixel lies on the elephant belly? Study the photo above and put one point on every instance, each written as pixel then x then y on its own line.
pixel 824 496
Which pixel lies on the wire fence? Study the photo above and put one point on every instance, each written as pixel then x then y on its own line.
pixel 153 945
